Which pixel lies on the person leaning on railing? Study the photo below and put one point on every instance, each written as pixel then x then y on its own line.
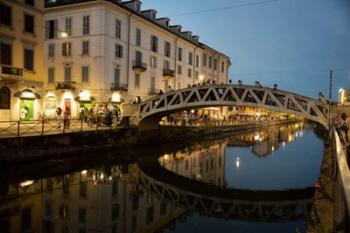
pixel 342 123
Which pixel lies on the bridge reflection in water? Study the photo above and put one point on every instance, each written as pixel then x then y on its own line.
pixel 156 194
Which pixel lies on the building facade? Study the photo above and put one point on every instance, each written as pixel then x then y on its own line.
pixel 21 61
pixel 101 53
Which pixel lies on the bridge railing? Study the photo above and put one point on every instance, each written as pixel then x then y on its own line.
pixel 341 188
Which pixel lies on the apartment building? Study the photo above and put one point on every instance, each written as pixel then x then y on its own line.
pixel 100 53
pixel 21 61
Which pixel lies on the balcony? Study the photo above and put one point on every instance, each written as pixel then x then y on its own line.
pixel 139 66
pixel 11 72
pixel 65 86
pixel 119 87
pixel 168 74
pixel 153 91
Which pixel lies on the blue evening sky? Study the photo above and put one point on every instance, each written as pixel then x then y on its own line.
pixel 289 42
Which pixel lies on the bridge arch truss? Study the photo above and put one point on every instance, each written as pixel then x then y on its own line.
pixel 152 110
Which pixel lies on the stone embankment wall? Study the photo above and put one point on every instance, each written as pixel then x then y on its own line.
pixel 26 149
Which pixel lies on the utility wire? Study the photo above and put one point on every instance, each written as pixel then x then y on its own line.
pixel 224 8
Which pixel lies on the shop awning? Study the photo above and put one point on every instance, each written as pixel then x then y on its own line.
pixel 27 94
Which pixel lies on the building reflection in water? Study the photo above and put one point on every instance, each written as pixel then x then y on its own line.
pixel 88 201
pixel 207 163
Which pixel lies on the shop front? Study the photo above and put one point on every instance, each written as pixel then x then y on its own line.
pixel 27 104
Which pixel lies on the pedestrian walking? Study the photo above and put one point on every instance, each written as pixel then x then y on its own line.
pixel 66 117
pixel 59 117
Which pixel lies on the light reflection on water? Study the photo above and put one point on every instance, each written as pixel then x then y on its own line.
pixel 275 158
pixel 111 198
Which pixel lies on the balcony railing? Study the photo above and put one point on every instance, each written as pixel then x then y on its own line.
pixel 139 66
pixel 119 87
pixel 153 91
pixel 65 86
pixel 11 71
pixel 168 73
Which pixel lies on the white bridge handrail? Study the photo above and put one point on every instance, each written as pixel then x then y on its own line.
pixel 343 169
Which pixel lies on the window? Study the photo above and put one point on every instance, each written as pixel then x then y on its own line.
pixel 118 50
pixel 167 49
pixel 51 27
pixel 5 15
pixel 86 25
pixel 68 26
pixel 180 54
pixel 63 212
pixel 137 81
pixel 6 54
pixel 28 23
pixel 29 2
pixel 118 28
pixel 5 98
pixel 166 65
pixel 196 75
pixel 51 48
pixel 190 58
pixel 85 74
pixel 85 48
pixel 179 69
pixel 205 60
pixel 29 59
pixel 133 223
pixel 115 212
pixel 138 56
pixel 82 190
pixel 215 64
pixel 114 228
pixel 116 78
pixel 222 67
pixel 197 61
pixel 149 215
pixel 67 49
pixel 153 61
pixel 135 202
pixel 82 215
pixel 51 75
pixel 115 181
pixel 210 61
pixel 163 208
pixel 48 209
pixel 138 37
pixel 154 44
pixel 189 73
pixel 67 74
pixel 26 219
pixel 153 83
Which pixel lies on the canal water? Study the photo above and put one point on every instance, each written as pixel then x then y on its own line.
pixel 258 181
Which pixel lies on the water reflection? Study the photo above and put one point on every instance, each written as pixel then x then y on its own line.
pixel 86 201
pixel 281 157
pixel 202 188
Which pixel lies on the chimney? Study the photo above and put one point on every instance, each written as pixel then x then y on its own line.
pixel 163 21
pixel 176 28
pixel 151 13
pixel 133 5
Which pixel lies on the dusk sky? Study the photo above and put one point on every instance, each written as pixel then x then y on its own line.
pixel 289 42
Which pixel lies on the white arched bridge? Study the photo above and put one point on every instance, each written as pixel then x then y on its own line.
pixel 152 110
